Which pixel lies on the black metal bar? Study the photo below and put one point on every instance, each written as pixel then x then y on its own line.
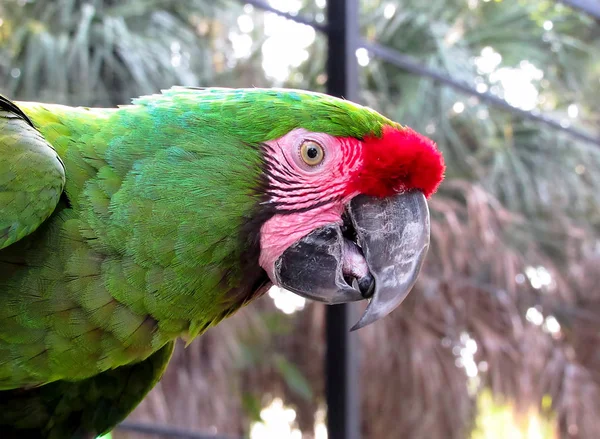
pixel 297 18
pixel 167 431
pixel 342 363
pixel 342 68
pixel 591 8
pixel 409 64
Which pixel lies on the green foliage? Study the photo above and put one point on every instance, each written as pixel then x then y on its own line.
pixel 517 161
pixel 254 352
pixel 252 405
pixel 293 377
pixel 105 52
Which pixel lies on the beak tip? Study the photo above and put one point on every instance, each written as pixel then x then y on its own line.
pixel 360 324
pixel 369 316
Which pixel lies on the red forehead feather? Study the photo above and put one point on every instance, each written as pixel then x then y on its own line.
pixel 401 159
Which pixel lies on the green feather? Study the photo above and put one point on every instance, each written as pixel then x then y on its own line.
pixel 145 244
pixel 80 409
pixel 32 176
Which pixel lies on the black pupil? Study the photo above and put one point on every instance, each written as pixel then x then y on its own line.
pixel 312 152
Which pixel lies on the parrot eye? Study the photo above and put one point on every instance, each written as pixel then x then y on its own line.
pixel 311 152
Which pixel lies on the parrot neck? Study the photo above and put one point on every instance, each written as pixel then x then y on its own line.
pixel 169 210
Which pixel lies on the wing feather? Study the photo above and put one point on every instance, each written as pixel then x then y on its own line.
pixel 32 175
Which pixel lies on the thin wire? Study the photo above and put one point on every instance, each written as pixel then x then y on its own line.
pixel 407 63
pixel 297 18
pixel 167 431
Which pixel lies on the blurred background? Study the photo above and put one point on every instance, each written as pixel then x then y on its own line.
pixel 501 337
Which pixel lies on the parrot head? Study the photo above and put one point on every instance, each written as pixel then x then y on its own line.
pixel 337 207
pixel 347 192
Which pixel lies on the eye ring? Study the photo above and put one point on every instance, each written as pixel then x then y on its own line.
pixel 312 153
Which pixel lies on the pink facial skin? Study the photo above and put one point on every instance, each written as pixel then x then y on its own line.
pixel 298 187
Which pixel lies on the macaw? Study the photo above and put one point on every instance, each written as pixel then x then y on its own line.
pixel 124 229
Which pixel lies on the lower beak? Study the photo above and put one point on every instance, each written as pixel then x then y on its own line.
pixel 376 255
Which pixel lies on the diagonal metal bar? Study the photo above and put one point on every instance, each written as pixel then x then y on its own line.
pixel 260 4
pixel 167 432
pixel 409 64
pixel 590 7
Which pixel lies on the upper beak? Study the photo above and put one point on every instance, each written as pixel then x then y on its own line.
pixel 376 255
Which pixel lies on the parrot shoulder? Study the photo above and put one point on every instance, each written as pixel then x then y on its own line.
pixel 32 175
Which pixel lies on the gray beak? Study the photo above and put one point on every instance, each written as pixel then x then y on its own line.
pixel 376 255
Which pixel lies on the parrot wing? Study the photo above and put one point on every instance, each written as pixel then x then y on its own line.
pixel 80 409
pixel 32 176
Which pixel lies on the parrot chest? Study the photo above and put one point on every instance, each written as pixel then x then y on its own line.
pixel 70 310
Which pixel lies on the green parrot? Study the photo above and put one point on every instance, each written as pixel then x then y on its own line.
pixel 124 229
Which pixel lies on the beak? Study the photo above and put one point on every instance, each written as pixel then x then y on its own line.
pixel 376 255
